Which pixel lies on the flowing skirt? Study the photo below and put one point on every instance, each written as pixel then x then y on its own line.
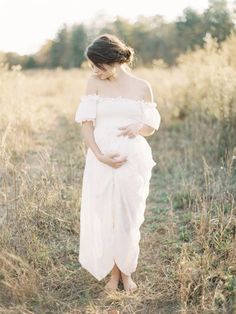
pixel 113 202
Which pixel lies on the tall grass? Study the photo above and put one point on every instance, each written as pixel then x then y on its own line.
pixel 188 260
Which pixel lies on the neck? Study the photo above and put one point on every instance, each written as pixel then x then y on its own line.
pixel 121 72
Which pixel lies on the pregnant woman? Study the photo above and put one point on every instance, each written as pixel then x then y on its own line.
pixel 116 112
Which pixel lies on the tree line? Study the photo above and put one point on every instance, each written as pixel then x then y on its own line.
pixel 151 37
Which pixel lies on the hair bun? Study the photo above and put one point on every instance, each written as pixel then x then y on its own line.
pixel 108 49
pixel 128 53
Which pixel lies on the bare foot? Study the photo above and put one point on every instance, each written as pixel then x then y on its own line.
pixel 129 284
pixel 113 282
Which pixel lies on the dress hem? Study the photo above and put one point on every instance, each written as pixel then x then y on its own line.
pixel 99 278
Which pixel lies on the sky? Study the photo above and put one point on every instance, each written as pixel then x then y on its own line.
pixel 25 25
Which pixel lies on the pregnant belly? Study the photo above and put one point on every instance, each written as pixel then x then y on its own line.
pixel 136 149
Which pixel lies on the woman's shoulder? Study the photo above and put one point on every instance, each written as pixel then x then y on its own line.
pixel 141 82
pixel 92 85
pixel 144 88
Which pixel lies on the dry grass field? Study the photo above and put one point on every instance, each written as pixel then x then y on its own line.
pixel 187 261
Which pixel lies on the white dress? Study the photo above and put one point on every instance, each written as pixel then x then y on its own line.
pixel 113 200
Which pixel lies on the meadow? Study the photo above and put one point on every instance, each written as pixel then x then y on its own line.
pixel 187 261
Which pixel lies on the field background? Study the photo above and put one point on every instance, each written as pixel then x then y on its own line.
pixel 187 260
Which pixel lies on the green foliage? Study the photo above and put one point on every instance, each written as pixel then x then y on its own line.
pixel 151 37
pixel 190 30
pixel 77 44
pixel 182 200
pixel 30 63
pixel 217 19
pixel 59 51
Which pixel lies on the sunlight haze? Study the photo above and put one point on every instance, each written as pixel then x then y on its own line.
pixel 25 25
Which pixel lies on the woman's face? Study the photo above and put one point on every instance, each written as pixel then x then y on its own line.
pixel 102 74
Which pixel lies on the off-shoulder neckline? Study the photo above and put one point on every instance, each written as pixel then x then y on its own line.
pixel 151 103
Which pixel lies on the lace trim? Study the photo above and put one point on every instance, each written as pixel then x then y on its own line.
pixel 151 104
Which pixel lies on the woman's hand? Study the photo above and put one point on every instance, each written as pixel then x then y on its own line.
pixel 131 130
pixel 112 159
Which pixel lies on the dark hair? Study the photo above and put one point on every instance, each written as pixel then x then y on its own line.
pixel 108 49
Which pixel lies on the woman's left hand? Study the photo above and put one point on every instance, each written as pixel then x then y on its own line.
pixel 131 130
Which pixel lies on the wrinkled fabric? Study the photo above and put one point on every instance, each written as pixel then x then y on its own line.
pixel 113 200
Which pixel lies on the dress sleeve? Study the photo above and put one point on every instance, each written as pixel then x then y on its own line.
pixel 150 114
pixel 86 110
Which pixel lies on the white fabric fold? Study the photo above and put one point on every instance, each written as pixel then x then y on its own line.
pixel 113 200
pixel 86 110
pixel 151 115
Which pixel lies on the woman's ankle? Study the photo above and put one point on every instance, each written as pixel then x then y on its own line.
pixel 115 272
pixel 125 276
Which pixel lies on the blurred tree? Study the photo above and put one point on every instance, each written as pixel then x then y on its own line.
pixel 30 62
pixel 189 30
pixel 151 37
pixel 43 55
pixel 218 20
pixel 59 49
pixel 78 41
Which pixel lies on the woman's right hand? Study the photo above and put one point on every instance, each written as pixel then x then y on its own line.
pixel 112 159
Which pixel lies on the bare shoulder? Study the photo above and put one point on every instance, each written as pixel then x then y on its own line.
pixel 92 85
pixel 143 86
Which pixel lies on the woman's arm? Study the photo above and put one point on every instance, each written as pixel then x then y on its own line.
pixel 87 127
pixel 88 136
pixel 146 130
